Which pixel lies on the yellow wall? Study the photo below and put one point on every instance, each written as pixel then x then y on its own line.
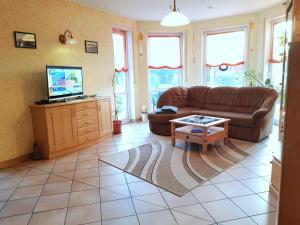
pixel 22 71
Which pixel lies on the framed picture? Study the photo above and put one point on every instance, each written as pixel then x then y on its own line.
pixel 25 40
pixel 91 47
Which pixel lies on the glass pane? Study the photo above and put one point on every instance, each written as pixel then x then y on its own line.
pixel 119 51
pixel 227 47
pixel 278 40
pixel 234 76
pixel 122 106
pixel 164 51
pixel 154 96
pixel 121 82
pixel 164 78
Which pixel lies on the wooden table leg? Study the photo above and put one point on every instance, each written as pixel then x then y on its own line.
pixel 173 141
pixel 204 140
pixel 226 140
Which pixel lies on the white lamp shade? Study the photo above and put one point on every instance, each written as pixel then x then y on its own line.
pixel 174 19
pixel 71 41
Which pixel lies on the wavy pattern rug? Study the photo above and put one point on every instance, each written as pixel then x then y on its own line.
pixel 182 168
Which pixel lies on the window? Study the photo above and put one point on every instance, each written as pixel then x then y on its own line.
pixel 121 69
pixel 224 57
pixel 276 52
pixel 165 67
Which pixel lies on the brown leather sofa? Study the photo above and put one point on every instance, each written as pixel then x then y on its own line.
pixel 251 109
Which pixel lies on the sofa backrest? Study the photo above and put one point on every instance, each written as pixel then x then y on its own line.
pixel 177 96
pixel 230 99
pixel 197 96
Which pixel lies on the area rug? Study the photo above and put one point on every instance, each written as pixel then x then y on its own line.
pixel 182 168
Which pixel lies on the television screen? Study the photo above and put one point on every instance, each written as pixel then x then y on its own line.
pixel 64 81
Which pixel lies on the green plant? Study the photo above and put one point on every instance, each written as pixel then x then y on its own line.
pixel 251 76
pixel 117 101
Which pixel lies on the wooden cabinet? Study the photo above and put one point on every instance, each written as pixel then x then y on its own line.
pixel 62 128
pixel 105 116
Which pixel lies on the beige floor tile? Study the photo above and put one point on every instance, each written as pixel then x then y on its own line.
pixel 222 178
pixel 1 205
pixel 241 173
pixel 266 219
pixel 34 172
pixel 6 193
pixel 142 188
pixel 155 199
pixel 55 179
pixel 196 210
pixel 261 170
pixel 109 170
pixel 130 220
pixel 223 210
pixel 107 196
pixel 184 219
pixel 71 158
pixel 120 189
pixel 157 218
pixel 146 207
pixel 79 186
pixel 208 193
pixel 175 201
pixel 124 208
pixel 52 202
pixel 92 181
pixel 27 192
pixel 112 180
pixel 57 188
pixel 34 180
pixel 132 179
pixel 253 205
pixel 244 221
pixel 256 185
pixel 9 183
pixel 84 173
pixel 87 164
pixel 83 214
pixel 84 197
pixel 16 220
pixel 268 197
pixel 234 189
pixel 18 207
pixel 52 217
pixel 67 174
pixel 62 167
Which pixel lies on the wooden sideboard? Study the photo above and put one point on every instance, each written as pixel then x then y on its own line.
pixel 61 128
pixel 276 174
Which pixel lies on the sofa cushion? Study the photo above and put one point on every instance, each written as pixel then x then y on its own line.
pixel 239 119
pixel 196 96
pixel 182 112
pixel 176 96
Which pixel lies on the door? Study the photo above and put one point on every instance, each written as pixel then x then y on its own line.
pixel 62 128
pixel 122 75
pixel 105 122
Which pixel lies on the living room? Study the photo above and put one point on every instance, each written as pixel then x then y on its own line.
pixel 92 160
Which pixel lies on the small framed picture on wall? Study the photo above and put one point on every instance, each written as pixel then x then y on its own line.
pixel 25 40
pixel 91 47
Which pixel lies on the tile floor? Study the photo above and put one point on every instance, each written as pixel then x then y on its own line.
pixel 79 189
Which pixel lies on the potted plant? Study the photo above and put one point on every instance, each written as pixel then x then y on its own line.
pixel 117 124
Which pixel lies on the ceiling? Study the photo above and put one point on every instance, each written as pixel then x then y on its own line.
pixel 195 10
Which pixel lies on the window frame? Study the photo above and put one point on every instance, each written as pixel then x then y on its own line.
pixel 182 55
pixel 206 33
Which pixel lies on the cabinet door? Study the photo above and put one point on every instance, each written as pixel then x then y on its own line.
pixel 62 128
pixel 105 120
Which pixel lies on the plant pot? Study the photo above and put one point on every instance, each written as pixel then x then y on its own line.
pixel 117 126
pixel 145 117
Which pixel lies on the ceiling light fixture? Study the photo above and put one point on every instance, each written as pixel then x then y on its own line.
pixel 175 18
pixel 67 38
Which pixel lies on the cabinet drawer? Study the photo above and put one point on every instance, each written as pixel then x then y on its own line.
pixel 89 137
pixel 189 137
pixel 86 114
pixel 86 106
pixel 87 122
pixel 88 130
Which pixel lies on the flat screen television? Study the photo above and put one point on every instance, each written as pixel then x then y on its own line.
pixel 64 82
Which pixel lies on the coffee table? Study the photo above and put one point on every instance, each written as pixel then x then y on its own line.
pixel 213 129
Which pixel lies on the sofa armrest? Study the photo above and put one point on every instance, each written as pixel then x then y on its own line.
pixel 260 113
